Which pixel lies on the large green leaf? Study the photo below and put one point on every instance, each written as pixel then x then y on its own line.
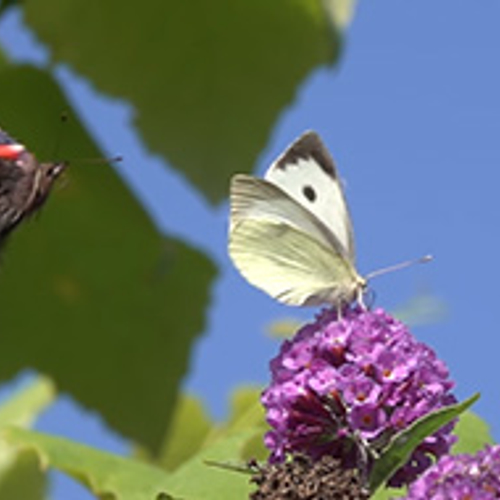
pixel 208 80
pixel 107 476
pixel 90 293
pixel 110 476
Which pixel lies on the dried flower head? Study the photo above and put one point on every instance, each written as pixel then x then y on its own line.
pixel 303 479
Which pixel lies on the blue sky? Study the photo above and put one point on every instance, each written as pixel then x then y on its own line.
pixel 412 117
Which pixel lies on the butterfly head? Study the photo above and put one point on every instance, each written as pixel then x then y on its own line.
pixel 352 293
pixel 47 174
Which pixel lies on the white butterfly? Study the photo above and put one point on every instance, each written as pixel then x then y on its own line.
pixel 290 233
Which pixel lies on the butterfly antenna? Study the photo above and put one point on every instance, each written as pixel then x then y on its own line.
pixel 64 117
pixel 401 265
pixel 112 159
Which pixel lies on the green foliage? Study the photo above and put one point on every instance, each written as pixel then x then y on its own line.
pixel 213 483
pixel 24 453
pixel 232 443
pixel 245 408
pixel 20 473
pixel 106 475
pixel 248 413
pixel 23 408
pixel 473 434
pixel 110 476
pixel 188 431
pixel 114 307
pixel 208 79
pixel 92 294
pixel 23 479
pixel 387 493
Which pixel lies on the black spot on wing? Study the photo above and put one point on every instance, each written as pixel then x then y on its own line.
pixel 309 145
pixel 309 193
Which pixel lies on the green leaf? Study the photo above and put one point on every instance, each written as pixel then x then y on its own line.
pixel 246 409
pixel 106 475
pixel 187 433
pixel 402 445
pixel 20 474
pixel 4 61
pixel 214 483
pixel 22 478
pixel 90 293
pixel 248 413
pixel 208 80
pixel 388 493
pixel 473 434
pixel 24 406
pixel 233 444
pixel 192 431
pixel 255 449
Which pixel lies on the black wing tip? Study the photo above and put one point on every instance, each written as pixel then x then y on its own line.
pixel 308 145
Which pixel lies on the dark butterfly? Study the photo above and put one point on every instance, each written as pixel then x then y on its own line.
pixel 25 183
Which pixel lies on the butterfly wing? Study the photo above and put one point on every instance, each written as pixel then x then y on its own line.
pixel 290 233
pixel 290 265
pixel 253 198
pixel 24 183
pixel 283 249
pixel 307 173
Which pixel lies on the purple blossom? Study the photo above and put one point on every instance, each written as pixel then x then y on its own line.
pixel 344 386
pixel 461 476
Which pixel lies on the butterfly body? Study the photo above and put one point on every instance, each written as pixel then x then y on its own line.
pixel 25 183
pixel 290 233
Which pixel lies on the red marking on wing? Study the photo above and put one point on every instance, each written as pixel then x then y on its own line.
pixel 11 151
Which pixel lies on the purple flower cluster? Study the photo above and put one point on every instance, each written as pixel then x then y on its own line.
pixel 345 386
pixel 461 476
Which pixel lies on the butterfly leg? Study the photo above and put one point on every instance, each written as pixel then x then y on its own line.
pixel 360 299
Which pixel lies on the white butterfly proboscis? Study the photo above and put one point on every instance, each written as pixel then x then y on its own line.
pixel 290 233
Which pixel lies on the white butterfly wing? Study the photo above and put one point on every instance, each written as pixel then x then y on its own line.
pixel 290 233
pixel 307 173
pixel 290 265
pixel 253 198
